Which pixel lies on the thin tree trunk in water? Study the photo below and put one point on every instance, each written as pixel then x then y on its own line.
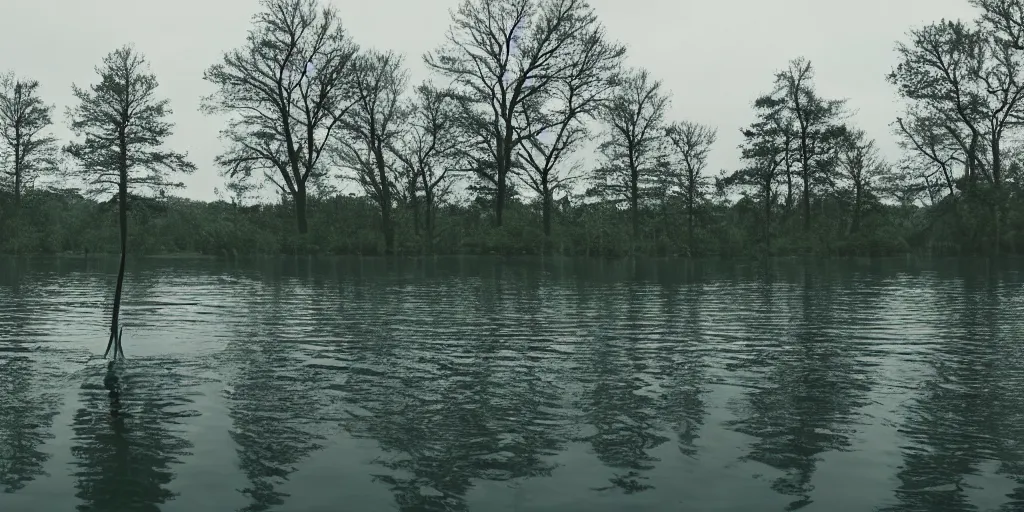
pixel 122 207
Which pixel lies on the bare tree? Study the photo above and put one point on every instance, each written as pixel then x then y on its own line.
pixel 286 90
pixel 573 100
pixel 23 117
pixel 429 149
pixel 371 127
pixel 689 145
pixel 633 151
pixel 504 56
pixel 933 151
pixel 122 126
pixel 862 166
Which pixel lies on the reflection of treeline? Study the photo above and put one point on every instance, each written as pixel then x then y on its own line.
pixel 55 222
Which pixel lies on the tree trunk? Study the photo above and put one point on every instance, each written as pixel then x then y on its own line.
pixel 767 219
pixel 385 199
pixel 504 163
pixel 634 208
pixel 17 186
pixel 689 215
pixel 789 179
pixel 428 227
pixel 855 225
pixel 122 214
pixel 414 205
pixel 17 168
pixel 499 198
pixel 546 211
pixel 300 207
pixel 428 211
pixel 807 202
pixel 997 182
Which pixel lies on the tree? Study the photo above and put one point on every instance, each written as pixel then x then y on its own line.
pixel 972 77
pixel 122 125
pixel 689 145
pixel 815 122
pixel 547 138
pixel 371 128
pixel 23 117
pixel 504 57
pixel 766 148
pixel 285 91
pixel 861 166
pixel 429 149
pixel 931 143
pixel 633 151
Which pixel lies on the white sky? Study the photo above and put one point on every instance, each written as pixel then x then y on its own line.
pixel 715 56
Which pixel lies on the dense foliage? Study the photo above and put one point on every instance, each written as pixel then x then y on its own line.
pixel 64 221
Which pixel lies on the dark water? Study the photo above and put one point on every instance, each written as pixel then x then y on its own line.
pixel 477 384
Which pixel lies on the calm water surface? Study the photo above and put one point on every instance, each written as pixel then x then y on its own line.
pixel 500 385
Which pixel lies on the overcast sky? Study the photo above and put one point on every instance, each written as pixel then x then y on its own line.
pixel 715 56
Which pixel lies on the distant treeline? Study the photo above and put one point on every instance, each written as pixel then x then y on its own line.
pixel 52 222
pixel 519 91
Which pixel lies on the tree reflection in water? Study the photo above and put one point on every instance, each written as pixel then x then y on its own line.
pixel 126 434
pixel 810 385
pixel 27 408
pixel 480 400
pixel 969 410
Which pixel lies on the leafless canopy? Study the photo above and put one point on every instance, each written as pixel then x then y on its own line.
pixel 374 123
pixel 505 57
pixel 634 147
pixel 431 145
pixel 285 90
pixel 689 146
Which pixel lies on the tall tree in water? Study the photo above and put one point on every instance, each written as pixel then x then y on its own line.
pixel 122 127
pixel 633 151
pixel 815 123
pixel 689 145
pixel 504 57
pixel 371 127
pixel 23 119
pixel 285 90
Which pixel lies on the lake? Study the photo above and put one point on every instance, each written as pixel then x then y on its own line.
pixel 492 384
